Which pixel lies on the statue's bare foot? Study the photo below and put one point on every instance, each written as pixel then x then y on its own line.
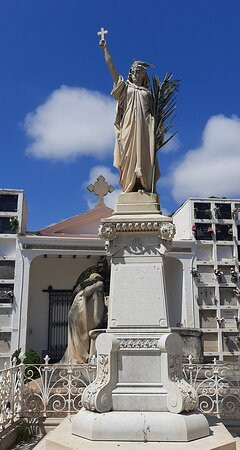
pixel 141 191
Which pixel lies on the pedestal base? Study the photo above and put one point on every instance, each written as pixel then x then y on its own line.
pixel 137 203
pixel 140 426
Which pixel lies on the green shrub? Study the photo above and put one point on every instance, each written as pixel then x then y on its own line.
pixel 14 224
pixel 32 357
pixel 24 431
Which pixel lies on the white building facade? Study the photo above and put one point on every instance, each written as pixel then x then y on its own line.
pixel 37 275
pixel 213 227
pixel 38 272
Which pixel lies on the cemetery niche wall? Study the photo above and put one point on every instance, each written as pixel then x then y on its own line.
pixel 213 226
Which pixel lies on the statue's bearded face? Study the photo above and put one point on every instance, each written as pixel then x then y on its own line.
pixel 138 75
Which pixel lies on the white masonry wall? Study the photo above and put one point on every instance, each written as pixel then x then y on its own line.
pixel 9 310
pixel 60 273
pixel 183 221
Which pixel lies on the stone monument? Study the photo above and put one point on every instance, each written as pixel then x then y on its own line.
pixel 86 313
pixel 139 393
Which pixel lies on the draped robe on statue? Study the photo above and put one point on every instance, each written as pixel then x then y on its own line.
pixel 86 313
pixel 134 153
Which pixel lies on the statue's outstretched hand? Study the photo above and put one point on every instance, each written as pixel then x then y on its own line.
pixel 102 43
pixel 108 59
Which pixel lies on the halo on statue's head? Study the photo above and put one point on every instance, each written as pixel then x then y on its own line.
pixel 140 65
pixel 143 64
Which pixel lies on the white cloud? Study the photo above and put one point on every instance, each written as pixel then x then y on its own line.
pixel 71 122
pixel 213 168
pixel 91 203
pixel 111 199
pixel 112 178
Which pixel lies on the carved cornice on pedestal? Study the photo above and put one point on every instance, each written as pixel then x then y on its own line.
pixel 108 231
pixel 98 395
pixel 138 343
pixel 89 399
pixel 181 396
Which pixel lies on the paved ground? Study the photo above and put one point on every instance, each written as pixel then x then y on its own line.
pixel 237 440
pixel 29 445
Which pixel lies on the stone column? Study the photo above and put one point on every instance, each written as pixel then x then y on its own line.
pixel 139 361
pixel 20 314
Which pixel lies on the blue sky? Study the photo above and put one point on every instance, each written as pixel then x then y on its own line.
pixel 51 64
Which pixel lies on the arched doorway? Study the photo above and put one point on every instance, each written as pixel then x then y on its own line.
pixel 60 301
pixel 61 273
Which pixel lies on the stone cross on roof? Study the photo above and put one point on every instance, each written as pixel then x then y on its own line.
pixel 100 188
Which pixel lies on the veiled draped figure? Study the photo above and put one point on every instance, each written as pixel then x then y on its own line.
pixel 86 313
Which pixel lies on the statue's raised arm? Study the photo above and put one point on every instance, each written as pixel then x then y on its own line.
pixel 108 59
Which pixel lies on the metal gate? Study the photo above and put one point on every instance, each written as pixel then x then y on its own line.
pixel 60 301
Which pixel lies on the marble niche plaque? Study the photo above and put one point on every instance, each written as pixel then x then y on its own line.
pixel 137 295
pixel 224 252
pixel 5 342
pixel 231 342
pixel 210 342
pixel 229 316
pixel 7 270
pixel 5 317
pixel 226 277
pixel 227 297
pixel 204 253
pixel 206 274
pixel 208 319
pixel 206 296
pixel 4 297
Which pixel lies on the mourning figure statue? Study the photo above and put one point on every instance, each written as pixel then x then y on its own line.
pixel 87 312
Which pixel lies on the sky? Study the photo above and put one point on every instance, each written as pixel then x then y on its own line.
pixel 57 114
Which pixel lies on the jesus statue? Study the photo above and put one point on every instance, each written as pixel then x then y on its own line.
pixel 134 153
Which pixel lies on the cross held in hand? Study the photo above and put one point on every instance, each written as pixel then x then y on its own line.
pixel 100 188
pixel 102 33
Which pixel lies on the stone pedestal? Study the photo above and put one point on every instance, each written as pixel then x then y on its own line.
pixel 192 344
pixel 139 361
pixel 140 426
pixel 62 439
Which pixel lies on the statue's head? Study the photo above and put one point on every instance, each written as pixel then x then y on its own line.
pixel 138 74
pixel 93 278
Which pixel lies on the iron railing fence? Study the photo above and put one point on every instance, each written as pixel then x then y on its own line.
pixel 42 390
pixel 217 386
pixel 55 390
pixel 11 389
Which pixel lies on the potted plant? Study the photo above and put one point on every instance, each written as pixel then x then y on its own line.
pixel 14 224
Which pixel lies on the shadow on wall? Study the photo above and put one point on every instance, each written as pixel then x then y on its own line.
pixel 174 278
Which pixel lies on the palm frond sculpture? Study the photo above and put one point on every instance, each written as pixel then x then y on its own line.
pixel 163 108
